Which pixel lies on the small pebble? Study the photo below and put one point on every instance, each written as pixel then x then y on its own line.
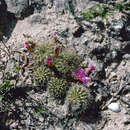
pixel 114 107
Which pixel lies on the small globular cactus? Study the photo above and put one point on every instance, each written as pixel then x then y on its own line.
pixel 42 75
pixel 72 59
pixel 42 52
pixel 79 99
pixel 62 67
pixel 57 88
pixel 66 63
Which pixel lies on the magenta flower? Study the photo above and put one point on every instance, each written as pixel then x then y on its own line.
pixel 85 80
pixel 81 75
pixel 82 71
pixel 26 44
pixel 91 68
pixel 49 61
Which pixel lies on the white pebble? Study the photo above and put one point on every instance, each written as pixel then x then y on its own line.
pixel 114 107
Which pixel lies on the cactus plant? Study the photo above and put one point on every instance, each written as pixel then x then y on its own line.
pixel 79 99
pixel 42 52
pixel 42 74
pixel 57 87
pixel 66 63
pixel 62 67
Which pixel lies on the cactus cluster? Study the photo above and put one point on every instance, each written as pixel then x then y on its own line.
pixel 79 98
pixel 42 75
pixel 57 69
pixel 57 87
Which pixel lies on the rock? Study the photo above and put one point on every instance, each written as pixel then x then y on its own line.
pixel 127 78
pixel 114 107
pixel 58 128
pixel 18 7
pixel 125 47
pixel 116 29
pixel 99 72
pixel 127 30
pixel 127 122
pixel 83 126
pixel 113 74
pixel 3 17
pixel 126 57
pixel 114 54
pixel 77 32
pixel 36 19
pixel 24 8
pixel 98 50
pixel 117 25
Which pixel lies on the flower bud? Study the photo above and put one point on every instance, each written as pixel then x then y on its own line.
pixel 49 61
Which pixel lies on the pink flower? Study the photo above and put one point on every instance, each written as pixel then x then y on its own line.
pixel 26 44
pixel 85 80
pixel 91 67
pixel 81 75
pixel 57 50
pixel 49 61
pixel 82 71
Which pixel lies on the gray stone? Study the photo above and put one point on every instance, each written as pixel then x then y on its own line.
pixel 117 25
pixel 127 30
pixel 114 55
pixel 83 126
pixel 58 128
pixel 17 7
pixel 127 122
pixel 98 50
pixel 24 8
pixel 114 107
pixel 77 32
pixel 128 78
pixel 126 56
pixel 116 29
pixel 36 19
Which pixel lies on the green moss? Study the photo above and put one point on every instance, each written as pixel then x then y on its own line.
pixel 57 88
pixel 6 86
pixel 99 10
pixel 40 110
pixel 121 6
pixel 104 11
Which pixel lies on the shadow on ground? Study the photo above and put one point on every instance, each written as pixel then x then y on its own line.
pixel 9 27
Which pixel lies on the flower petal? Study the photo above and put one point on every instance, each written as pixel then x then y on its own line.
pixel 92 67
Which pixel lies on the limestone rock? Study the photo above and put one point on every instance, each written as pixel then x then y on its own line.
pixel 114 107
